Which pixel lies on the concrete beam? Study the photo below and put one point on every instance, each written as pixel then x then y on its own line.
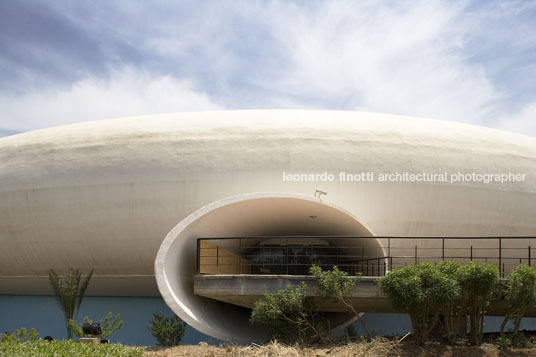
pixel 244 290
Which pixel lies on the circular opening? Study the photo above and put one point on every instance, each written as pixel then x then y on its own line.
pixel 261 215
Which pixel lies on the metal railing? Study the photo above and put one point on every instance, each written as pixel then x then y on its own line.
pixel 370 256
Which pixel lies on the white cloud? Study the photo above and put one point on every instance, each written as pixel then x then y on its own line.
pixel 458 61
pixel 128 91
pixel 407 60
pixel 523 122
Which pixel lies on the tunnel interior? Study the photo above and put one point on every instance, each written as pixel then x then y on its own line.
pixel 293 226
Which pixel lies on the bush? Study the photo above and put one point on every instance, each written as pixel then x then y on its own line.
pixel 336 284
pixel 19 336
pixel 422 291
pixel 453 311
pixel 168 331
pixel 520 294
pixel 289 315
pixel 64 348
pixel 477 283
pixel 108 325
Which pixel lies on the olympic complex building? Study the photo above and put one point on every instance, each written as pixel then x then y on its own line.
pixel 200 214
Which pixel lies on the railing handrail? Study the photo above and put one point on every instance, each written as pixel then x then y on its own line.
pixel 360 260
pixel 368 237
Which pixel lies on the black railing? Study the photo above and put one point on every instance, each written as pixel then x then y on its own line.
pixel 370 256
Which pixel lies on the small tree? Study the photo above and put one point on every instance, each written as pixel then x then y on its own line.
pixel 477 283
pixel 168 331
pixel 337 284
pixel 520 294
pixel 69 291
pixel 109 325
pixel 453 310
pixel 289 315
pixel 422 291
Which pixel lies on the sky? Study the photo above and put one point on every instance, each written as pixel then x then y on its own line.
pixel 65 61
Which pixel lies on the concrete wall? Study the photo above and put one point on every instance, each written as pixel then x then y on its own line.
pixel 216 260
pixel 44 314
pixel 105 194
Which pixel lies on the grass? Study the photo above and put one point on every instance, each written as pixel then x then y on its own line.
pixel 65 348
pixel 375 347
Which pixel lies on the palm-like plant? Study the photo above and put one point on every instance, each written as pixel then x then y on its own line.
pixel 69 291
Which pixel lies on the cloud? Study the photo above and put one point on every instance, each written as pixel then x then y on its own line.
pixel 465 61
pixel 128 91
pixel 406 59
pixel 523 122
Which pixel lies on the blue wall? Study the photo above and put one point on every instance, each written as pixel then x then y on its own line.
pixel 44 314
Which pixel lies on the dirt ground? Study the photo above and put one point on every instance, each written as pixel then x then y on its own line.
pixel 376 347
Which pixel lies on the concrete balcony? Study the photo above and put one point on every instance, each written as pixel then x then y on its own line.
pixel 245 289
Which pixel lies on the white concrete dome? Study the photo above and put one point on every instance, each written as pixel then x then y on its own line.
pixel 105 194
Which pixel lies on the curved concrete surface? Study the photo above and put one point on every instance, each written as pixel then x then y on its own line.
pixel 258 214
pixel 104 194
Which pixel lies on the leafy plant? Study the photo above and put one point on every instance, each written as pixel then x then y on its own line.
pixel 503 342
pixel 65 348
pixel 336 284
pixel 69 291
pixel 477 283
pixel 422 291
pixel 168 331
pixel 19 336
pixel 108 325
pixel 520 294
pixel 453 310
pixel 288 315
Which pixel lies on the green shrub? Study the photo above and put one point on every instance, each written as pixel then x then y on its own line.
pixel 109 325
pixel 453 311
pixel 168 331
pixel 422 291
pixel 288 315
pixel 64 348
pixel 477 283
pixel 20 335
pixel 503 342
pixel 69 292
pixel 520 294
pixel 336 284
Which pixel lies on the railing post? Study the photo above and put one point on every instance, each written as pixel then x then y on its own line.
pixel 379 266
pixel 443 249
pixel 416 254
pixel 529 255
pixel 287 253
pixel 389 246
pixel 500 257
pixel 239 256
pixel 199 257
pixel 471 253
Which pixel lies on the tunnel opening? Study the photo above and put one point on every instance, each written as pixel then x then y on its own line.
pixel 247 234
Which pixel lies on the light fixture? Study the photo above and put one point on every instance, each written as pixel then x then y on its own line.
pixel 319 193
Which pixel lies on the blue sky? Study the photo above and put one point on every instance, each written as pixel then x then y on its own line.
pixel 68 61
